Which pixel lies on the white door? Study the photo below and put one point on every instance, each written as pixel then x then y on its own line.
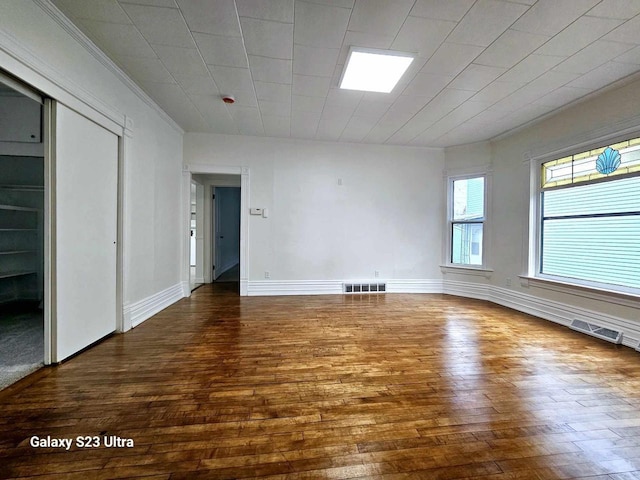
pixel 86 182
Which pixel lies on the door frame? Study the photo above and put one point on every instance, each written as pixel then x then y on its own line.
pixel 203 169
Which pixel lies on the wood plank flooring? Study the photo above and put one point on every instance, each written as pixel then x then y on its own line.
pixel 382 386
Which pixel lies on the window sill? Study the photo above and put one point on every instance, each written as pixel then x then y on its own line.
pixel 467 270
pixel 594 293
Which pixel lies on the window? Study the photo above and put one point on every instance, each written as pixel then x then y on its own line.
pixel 590 218
pixel 466 222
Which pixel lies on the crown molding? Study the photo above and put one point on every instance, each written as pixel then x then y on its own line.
pixel 50 9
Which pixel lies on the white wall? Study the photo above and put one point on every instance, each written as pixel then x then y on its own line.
pixel 35 47
pixel 510 194
pixel 385 216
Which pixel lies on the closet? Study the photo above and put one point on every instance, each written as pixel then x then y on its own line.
pixel 21 235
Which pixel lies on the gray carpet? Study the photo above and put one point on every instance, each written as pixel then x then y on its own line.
pixel 21 345
pixel 230 275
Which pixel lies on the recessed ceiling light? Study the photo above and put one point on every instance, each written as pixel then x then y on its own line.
pixel 374 70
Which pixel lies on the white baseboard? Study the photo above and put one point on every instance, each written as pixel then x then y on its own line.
pixel 334 287
pixel 414 286
pixel 551 310
pixel 294 287
pixel 137 312
pixel 198 280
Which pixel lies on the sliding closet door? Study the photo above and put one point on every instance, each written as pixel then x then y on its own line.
pixel 86 176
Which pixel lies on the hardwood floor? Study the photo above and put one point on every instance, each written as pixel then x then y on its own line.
pixel 382 386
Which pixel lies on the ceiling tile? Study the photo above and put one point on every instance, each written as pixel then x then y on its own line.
pixel 623 9
pixel 383 17
pixel 544 84
pixel 314 61
pixel 496 91
pixel 271 70
pixel 485 22
pixel 531 67
pixel 153 3
pixel 476 77
pixel 578 35
pixel 422 35
pixel 98 10
pixel 304 124
pixel 629 32
pixel 510 48
pixel 451 59
pixel 202 18
pixel 357 128
pixel 371 109
pixel 345 99
pixel 311 86
pixel 278 109
pixel 175 102
pixel 186 61
pixel 632 56
pixel 247 119
pixel 300 103
pixel 215 113
pixel 363 39
pixel 276 126
pixel 159 25
pixel 427 84
pixel 276 10
pixel 268 39
pixel 333 3
pixel 452 10
pixel 548 17
pixel 332 123
pixel 218 50
pixel 604 75
pixel 273 92
pixel 320 25
pixel 231 79
pixel 118 39
pixel 244 98
pixel 562 96
pixel 197 84
pixel 593 56
pixel 145 69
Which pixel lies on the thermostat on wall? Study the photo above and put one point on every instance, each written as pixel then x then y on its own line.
pixel 255 211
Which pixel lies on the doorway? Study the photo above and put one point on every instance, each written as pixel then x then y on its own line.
pixel 22 175
pixel 226 234
pixel 232 250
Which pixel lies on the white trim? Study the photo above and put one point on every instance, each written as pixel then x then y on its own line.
pixel 466 270
pixel 599 294
pixel 50 9
pixel 137 312
pixel 244 172
pixel 414 286
pixel 466 289
pixel 334 287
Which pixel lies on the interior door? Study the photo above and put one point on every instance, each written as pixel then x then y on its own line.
pixel 86 183
pixel 227 228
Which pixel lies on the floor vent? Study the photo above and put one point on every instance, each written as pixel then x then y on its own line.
pixel 592 329
pixel 364 287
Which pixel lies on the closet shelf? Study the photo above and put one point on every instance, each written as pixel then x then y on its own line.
pixel 17 208
pixel 17 252
pixel 23 188
pixel 16 273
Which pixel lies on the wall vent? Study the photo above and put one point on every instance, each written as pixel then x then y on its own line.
pixel 598 331
pixel 364 287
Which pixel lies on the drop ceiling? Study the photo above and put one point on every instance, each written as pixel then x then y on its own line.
pixel 482 67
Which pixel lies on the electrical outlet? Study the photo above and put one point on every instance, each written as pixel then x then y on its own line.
pixel 267 275
pixel 508 282
pixel 376 273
